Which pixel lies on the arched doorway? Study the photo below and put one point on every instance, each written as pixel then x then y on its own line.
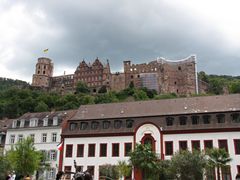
pixel 148 139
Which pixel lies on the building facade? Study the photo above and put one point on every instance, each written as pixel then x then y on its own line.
pixel 45 129
pixel 164 76
pixel 103 134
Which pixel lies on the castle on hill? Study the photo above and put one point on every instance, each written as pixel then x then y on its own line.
pixel 164 76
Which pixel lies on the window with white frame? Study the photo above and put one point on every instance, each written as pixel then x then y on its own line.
pixel 33 122
pixel 22 122
pixel 45 121
pixel 20 138
pixel 53 155
pixel 44 137
pixel 12 139
pixel 55 121
pixel 33 137
pixel 51 173
pixel 14 124
pixel 54 137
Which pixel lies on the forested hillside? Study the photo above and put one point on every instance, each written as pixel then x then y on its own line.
pixel 17 97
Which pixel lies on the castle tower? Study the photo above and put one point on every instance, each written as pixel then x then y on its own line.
pixel 43 72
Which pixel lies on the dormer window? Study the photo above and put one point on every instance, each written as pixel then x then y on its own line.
pixel 14 124
pixel 183 120
pixel 45 122
pixel 235 117
pixel 73 126
pixel 169 121
pixel 55 121
pixel 206 119
pixel 83 125
pixel 33 122
pixel 22 122
pixel 94 125
pixel 117 124
pixel 195 120
pixel 106 124
pixel 129 123
pixel 220 118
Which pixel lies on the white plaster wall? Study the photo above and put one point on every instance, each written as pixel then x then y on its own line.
pixel 97 160
pixel 149 129
pixel 229 136
pixel 39 145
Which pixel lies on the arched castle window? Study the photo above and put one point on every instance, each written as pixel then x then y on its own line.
pixel 94 125
pixel 117 124
pixel 129 123
pixel 83 125
pixel 106 124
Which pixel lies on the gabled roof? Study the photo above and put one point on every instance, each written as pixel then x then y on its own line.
pixel 203 104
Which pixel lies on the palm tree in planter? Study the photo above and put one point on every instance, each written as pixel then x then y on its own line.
pixel 123 169
pixel 218 158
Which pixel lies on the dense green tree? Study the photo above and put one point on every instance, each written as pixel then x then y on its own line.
pixel 216 86
pixel 203 76
pixel 140 95
pixel 82 87
pixel 24 158
pixel 41 107
pixel 106 98
pixel 5 167
pixel 218 158
pixel 144 159
pixel 234 87
pixel 186 165
pixel 86 99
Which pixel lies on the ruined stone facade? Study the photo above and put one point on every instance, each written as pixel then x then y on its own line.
pixel 163 75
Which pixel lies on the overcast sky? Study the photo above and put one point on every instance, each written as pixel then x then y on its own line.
pixel 118 30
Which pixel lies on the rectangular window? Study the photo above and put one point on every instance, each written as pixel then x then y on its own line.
pixel 80 150
pixel 196 145
pixel 206 119
pixel 226 172
pixel 67 169
pixel 22 123
pixel 20 138
pixel 91 150
pixel 168 148
pixel 235 118
pixel 238 169
pixel 55 121
pixel 45 122
pixel 115 149
pixel 237 146
pixel 103 150
pixel 195 120
pixel 223 144
pixel 53 155
pixel 91 170
pixel 183 145
pixel 12 139
pixel 127 149
pixel 69 149
pixel 51 174
pixel 169 121
pixel 44 137
pixel 208 144
pixel 14 124
pixel 54 137
pixel 182 120
pixel 33 122
pixel 32 137
pixel 220 118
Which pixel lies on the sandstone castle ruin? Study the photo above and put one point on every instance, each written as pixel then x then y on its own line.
pixel 163 75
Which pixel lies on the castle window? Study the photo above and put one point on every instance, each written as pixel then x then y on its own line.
pixel 106 124
pixel 43 72
pixel 94 125
pixel 195 120
pixel 182 120
pixel 129 123
pixel 235 117
pixel 169 121
pixel 117 124
pixel 131 76
pixel 38 72
pixel 220 118
pixel 44 67
pixel 83 125
pixel 206 119
pixel 179 68
pixel 138 76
